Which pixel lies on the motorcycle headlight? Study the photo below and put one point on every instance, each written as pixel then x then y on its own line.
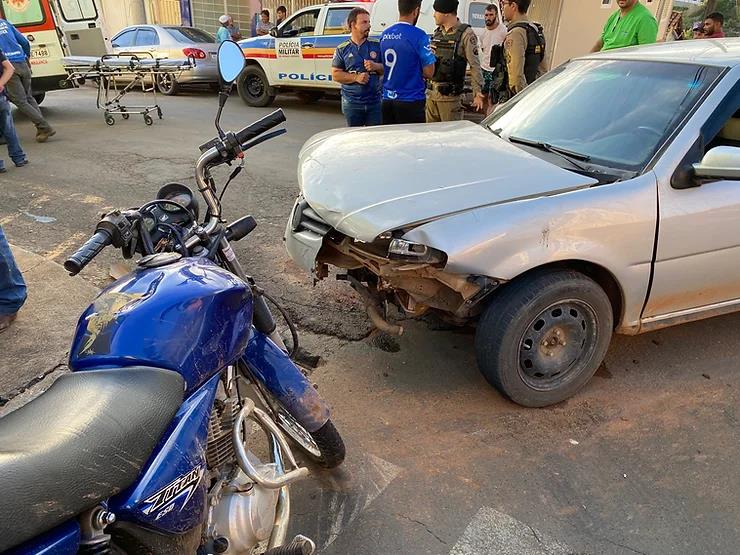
pixel 400 249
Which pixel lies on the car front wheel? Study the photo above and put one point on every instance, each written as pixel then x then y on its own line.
pixel 253 87
pixel 543 336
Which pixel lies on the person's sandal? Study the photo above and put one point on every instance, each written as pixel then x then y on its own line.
pixel 6 320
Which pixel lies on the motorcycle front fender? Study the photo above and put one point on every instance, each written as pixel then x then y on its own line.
pixel 279 375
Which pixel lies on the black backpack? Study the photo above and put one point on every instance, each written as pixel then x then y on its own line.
pixel 534 54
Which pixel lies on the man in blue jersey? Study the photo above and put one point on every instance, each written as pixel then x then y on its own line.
pixel 408 60
pixel 356 65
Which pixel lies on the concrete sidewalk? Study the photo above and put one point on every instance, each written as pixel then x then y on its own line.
pixel 37 345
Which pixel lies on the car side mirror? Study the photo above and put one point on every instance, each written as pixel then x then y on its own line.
pixel 274 32
pixel 721 162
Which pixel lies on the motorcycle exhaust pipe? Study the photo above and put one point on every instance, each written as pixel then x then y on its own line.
pixel 373 311
pixel 301 545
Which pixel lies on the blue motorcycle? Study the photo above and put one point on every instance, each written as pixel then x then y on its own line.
pixel 145 446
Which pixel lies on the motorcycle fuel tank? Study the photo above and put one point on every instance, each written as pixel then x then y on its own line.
pixel 190 316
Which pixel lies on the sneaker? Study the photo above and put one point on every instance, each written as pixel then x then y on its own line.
pixel 3 170
pixel 43 136
pixel 22 163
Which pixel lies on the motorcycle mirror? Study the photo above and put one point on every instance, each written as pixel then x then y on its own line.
pixel 230 62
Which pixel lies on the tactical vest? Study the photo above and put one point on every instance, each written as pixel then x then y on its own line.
pixel 450 67
pixel 535 52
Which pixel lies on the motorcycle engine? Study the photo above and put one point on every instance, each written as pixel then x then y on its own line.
pixel 243 514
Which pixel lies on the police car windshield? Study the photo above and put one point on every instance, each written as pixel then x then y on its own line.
pixel 618 113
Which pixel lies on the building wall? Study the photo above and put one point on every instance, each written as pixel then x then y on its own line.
pixel 206 14
pixel 118 14
pixel 574 29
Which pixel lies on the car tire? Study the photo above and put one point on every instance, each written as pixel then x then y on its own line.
pixel 253 87
pixel 167 84
pixel 310 97
pixel 544 336
pixel 39 97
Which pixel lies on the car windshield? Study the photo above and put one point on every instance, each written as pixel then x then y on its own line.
pixel 614 113
pixel 189 35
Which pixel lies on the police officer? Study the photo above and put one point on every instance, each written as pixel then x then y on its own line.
pixel 524 46
pixel 455 45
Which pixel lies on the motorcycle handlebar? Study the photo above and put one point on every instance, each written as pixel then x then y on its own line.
pixel 75 263
pixel 260 126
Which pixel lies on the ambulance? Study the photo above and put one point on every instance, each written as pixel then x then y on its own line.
pixel 296 56
pixel 55 28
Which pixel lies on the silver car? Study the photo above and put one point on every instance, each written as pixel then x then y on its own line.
pixel 605 197
pixel 174 42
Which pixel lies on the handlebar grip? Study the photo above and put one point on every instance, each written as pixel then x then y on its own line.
pixel 260 126
pixel 87 252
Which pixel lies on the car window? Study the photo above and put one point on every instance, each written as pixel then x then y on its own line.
pixel 146 37
pixel 722 128
pixel 300 25
pixel 189 35
pixel 336 21
pixel 124 39
pixel 619 113
pixel 23 13
pixel 78 10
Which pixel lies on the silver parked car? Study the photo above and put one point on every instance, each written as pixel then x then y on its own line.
pixel 174 42
pixel 605 197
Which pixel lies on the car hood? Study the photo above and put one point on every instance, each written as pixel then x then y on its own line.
pixel 366 181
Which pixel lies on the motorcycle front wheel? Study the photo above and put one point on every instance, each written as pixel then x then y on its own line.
pixel 325 446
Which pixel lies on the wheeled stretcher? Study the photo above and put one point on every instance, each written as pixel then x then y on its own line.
pixel 118 74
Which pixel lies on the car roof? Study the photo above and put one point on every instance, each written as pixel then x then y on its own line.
pixel 713 52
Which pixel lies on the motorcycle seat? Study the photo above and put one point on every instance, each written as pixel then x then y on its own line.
pixel 83 440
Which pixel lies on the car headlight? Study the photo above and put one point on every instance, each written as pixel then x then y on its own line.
pixel 400 249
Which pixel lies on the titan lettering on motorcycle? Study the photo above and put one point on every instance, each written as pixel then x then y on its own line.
pixel 184 484
pixel 166 511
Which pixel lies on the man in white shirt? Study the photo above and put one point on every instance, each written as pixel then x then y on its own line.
pixel 494 34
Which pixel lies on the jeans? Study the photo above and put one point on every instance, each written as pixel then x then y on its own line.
pixel 400 111
pixel 360 114
pixel 7 130
pixel 12 286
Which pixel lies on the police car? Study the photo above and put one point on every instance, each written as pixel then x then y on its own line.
pixel 297 55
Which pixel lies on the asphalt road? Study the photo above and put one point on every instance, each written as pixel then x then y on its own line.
pixel 642 461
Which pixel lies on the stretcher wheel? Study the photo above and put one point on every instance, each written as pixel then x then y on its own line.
pixel 109 119
pixel 159 113
pixel 148 119
pixel 124 115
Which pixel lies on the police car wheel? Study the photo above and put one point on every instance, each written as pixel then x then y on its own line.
pixel 253 87
pixel 543 336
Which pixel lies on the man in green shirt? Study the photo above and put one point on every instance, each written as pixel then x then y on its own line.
pixel 633 24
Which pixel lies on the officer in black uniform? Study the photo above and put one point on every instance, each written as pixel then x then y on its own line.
pixel 455 45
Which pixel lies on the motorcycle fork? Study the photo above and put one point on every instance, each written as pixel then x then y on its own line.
pixel 263 319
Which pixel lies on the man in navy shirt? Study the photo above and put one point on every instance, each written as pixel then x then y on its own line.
pixel 18 51
pixel 408 60
pixel 356 65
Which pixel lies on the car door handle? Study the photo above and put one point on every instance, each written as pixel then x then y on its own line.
pixel 307 45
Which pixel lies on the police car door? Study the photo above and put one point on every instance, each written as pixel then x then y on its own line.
pixel 294 49
pixel 333 32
